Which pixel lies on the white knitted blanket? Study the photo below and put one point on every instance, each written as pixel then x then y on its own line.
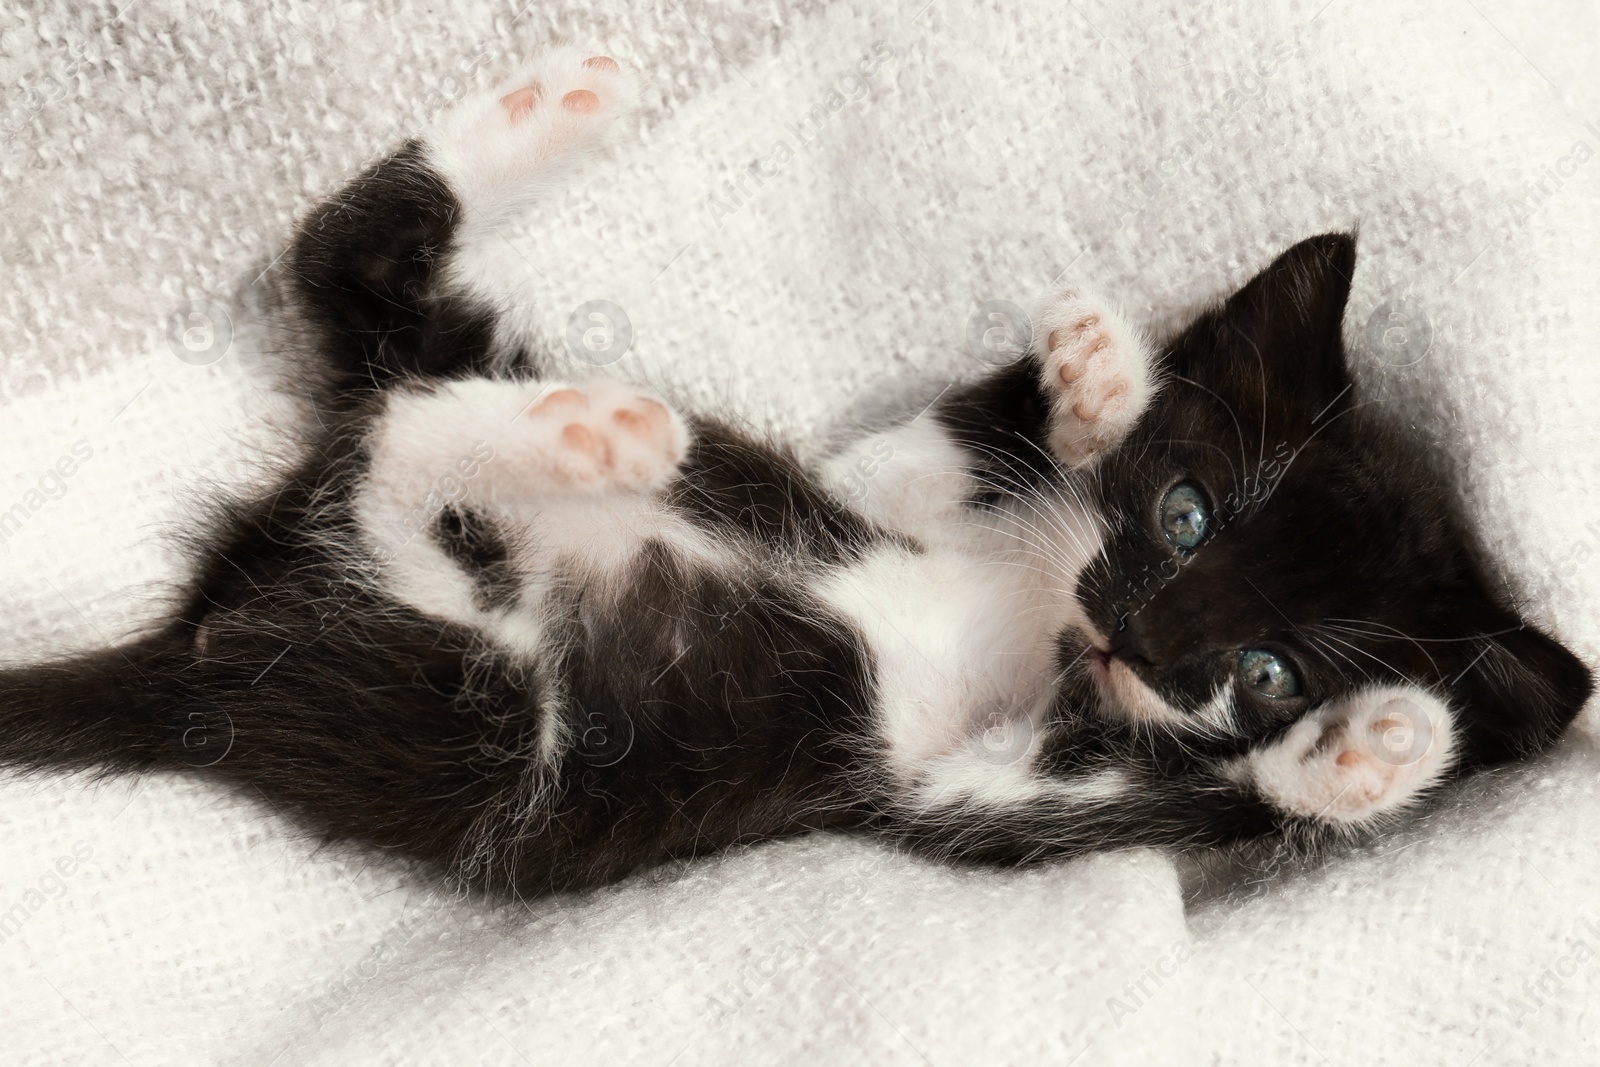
pixel 1162 150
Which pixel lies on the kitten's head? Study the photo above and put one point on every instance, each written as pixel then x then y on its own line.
pixel 1275 545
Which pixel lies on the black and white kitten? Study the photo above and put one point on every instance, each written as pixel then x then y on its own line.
pixel 538 633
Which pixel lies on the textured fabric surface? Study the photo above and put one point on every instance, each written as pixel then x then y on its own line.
pixel 160 155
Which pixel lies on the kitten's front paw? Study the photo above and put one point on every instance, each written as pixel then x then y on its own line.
pixel 495 147
pixel 1346 763
pixel 601 436
pixel 1097 369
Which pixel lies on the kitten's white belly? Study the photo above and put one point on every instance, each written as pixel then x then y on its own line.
pixel 963 639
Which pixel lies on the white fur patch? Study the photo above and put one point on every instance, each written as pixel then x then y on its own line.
pixel 1124 692
pixel 964 638
pixel 912 478
pixel 505 449
pixel 1133 698
pixel 945 656
pixel 970 779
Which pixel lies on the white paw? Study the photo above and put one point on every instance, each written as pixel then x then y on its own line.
pixel 1098 370
pixel 597 437
pixel 498 148
pixel 1346 763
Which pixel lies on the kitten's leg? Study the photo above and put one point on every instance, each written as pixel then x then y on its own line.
pixel 480 489
pixel 1341 770
pixel 369 267
pixel 690 692
pixel 1095 371
pixel 503 149
pixel 1084 383
pixel 1086 380
pixel 482 492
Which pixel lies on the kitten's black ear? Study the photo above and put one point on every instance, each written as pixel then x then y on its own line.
pixel 1518 690
pixel 1274 349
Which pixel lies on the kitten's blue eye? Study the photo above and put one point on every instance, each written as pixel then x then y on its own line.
pixel 1267 674
pixel 1185 516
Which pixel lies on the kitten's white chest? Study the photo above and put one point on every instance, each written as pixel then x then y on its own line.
pixel 962 633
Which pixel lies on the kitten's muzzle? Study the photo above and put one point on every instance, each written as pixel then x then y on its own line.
pixel 1129 645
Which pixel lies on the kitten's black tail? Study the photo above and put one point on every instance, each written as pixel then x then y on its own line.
pixel 114 709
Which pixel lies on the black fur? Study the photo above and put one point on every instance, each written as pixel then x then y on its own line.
pixel 702 709
pixel 363 271
pixel 1328 517
pixel 1003 420
pixel 734 481
pixel 1338 543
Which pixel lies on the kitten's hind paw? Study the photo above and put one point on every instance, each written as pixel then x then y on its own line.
pixel 1097 370
pixel 549 97
pixel 500 148
pixel 599 436
pixel 1348 762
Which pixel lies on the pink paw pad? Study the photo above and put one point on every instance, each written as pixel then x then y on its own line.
pixel 1097 371
pixel 605 435
pixel 581 100
pixel 1352 760
pixel 579 438
pixel 1079 350
pixel 561 398
pixel 520 103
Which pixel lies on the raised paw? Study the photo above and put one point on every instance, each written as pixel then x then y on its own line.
pixel 495 147
pixel 1096 368
pixel 600 436
pixel 571 96
pixel 1346 763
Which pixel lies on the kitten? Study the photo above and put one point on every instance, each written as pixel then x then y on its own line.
pixel 536 633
